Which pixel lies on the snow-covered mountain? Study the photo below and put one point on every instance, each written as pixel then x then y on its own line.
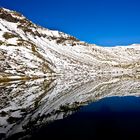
pixel 76 73
pixel 31 51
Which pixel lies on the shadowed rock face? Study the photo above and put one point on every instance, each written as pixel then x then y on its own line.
pixel 28 105
pixel 8 17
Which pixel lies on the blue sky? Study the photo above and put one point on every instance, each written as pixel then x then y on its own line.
pixel 102 22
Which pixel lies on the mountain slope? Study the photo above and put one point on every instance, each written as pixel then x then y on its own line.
pixel 30 51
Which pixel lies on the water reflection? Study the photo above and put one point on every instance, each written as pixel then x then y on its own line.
pixel 28 105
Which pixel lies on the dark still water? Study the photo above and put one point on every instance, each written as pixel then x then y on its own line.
pixel 70 107
pixel 113 117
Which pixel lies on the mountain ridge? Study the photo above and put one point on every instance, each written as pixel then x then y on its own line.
pixel 31 51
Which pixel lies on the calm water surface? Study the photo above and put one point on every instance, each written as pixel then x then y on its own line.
pixel 67 107
pixel 114 117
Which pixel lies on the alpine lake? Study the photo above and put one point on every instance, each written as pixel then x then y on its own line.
pixel 63 107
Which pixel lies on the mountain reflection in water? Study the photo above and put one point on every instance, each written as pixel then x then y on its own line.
pixel 29 107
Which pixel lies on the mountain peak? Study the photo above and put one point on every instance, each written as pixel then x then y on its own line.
pixel 28 27
pixel 10 16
